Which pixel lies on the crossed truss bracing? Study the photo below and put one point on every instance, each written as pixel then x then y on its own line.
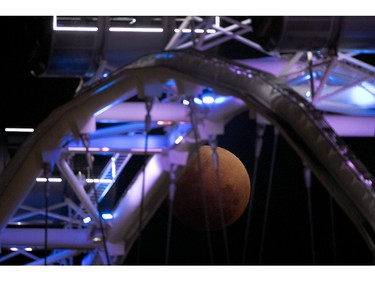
pixel 90 149
pixel 335 83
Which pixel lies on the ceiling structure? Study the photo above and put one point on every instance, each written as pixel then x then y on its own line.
pixel 81 186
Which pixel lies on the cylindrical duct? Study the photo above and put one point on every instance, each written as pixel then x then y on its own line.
pixel 309 33
pixel 76 46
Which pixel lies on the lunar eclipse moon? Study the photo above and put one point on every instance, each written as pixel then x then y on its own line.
pixel 210 198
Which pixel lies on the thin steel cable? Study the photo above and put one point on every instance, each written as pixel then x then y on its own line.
pixel 268 196
pixel 148 104
pixel 170 211
pixel 140 223
pixel 258 149
pixel 333 232
pixel 215 162
pixel 46 203
pixel 311 73
pixel 102 230
pixel 311 223
pixel 193 122
pixel 85 141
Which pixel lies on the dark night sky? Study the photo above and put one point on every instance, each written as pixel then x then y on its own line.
pixel 287 238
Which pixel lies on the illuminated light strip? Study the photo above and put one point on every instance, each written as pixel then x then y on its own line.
pixel 198 30
pixel 99 180
pixel 107 149
pixel 49 179
pixel 135 29
pixel 27 249
pixel 127 29
pixel 71 28
pixel 93 149
pixel 164 122
pixel 20 130
pixel 151 150
pixel 113 167
pixel 87 180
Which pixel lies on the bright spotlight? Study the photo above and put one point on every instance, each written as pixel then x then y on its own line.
pixel 198 100
pixel 107 216
pixel 179 139
pixel 86 219
pixel 208 99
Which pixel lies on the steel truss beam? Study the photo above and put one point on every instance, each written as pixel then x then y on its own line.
pixel 59 138
pixel 204 41
pixel 69 122
pixel 336 80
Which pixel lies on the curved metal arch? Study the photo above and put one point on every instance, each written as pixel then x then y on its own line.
pixel 303 127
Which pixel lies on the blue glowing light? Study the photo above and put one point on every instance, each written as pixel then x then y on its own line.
pixel 362 98
pixel 198 100
pixel 207 99
pixel 369 87
pixel 107 216
pixel 170 83
pixel 220 100
pixel 86 219
pixel 104 87
pixel 164 56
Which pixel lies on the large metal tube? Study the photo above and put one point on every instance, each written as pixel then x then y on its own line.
pixel 76 46
pixel 297 33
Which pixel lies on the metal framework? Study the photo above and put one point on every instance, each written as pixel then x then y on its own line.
pixel 83 150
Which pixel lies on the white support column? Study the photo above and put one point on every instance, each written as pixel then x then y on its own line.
pixel 124 225
pixel 57 238
pixel 351 126
pixel 297 56
pixel 79 190
pixel 171 44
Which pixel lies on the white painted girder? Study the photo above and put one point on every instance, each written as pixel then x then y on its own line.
pixel 136 112
pixel 351 126
pixel 79 190
pixel 125 218
pixel 57 238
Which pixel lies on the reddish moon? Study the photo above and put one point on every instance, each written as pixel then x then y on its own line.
pixel 210 199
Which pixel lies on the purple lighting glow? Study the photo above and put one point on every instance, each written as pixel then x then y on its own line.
pixel 362 97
